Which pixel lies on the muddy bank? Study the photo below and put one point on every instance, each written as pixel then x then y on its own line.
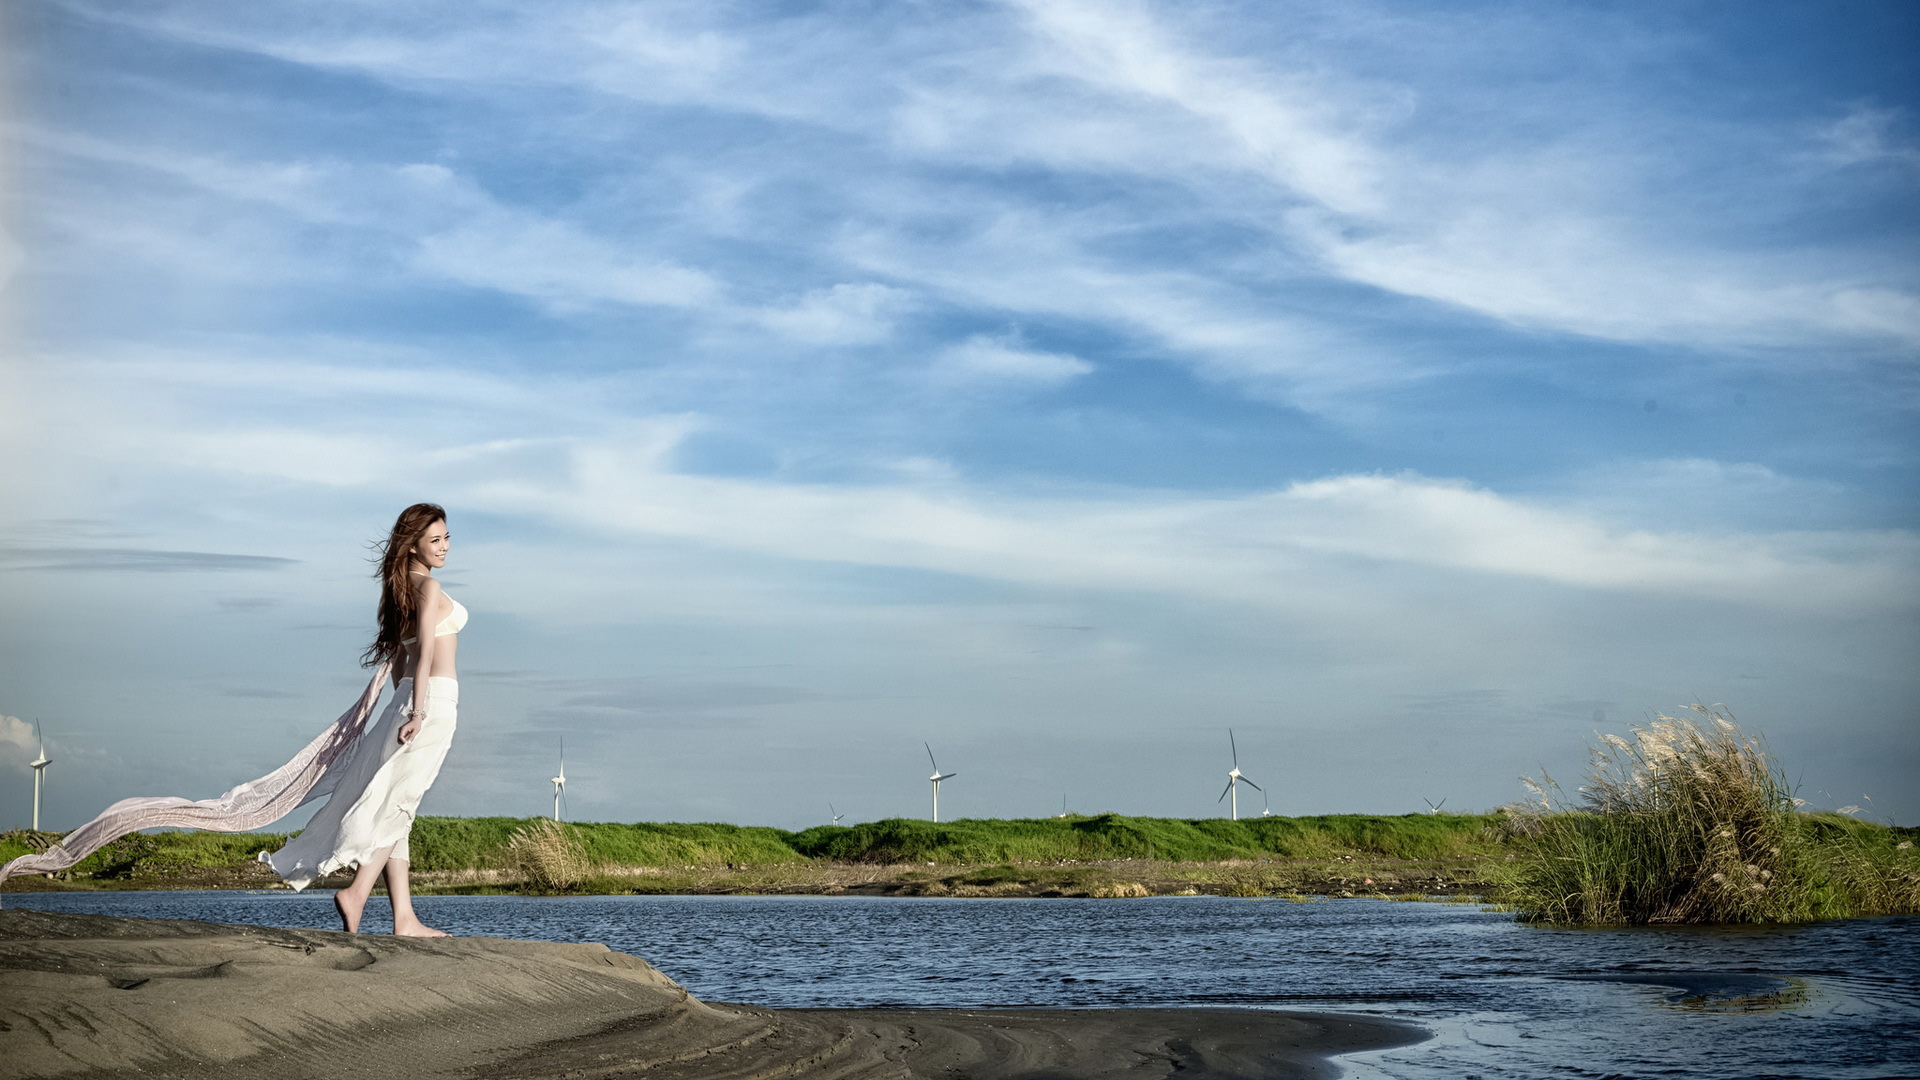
pixel 90 996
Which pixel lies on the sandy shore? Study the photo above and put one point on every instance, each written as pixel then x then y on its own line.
pixel 90 996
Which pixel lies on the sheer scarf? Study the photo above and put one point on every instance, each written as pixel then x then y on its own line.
pixel 309 776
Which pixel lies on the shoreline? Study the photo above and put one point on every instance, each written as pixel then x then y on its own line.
pixel 1093 879
pixel 103 998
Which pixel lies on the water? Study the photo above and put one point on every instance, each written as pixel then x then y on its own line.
pixel 1837 1001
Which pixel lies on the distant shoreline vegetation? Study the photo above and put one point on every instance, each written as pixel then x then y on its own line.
pixel 1069 856
pixel 1495 856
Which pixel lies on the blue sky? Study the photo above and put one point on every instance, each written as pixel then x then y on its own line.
pixel 1416 391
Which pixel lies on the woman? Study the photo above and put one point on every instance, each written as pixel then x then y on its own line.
pixel 365 824
pixel 372 777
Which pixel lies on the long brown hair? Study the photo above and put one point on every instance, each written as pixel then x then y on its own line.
pixel 396 592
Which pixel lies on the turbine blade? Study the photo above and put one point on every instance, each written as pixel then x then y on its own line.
pixel 1253 785
pixel 929 746
pixel 1224 794
pixel 1235 747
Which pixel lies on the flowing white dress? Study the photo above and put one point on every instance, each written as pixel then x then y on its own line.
pixel 376 790
pixel 372 784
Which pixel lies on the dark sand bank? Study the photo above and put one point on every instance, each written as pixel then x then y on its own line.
pixel 90 996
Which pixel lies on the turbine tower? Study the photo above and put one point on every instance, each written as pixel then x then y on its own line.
pixel 39 774
pixel 1235 778
pixel 559 782
pixel 936 778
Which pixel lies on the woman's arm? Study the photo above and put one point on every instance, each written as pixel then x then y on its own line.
pixel 426 605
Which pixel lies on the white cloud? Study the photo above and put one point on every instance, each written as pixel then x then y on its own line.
pixel 491 245
pixel 1413 519
pixel 442 224
pixel 1534 236
pixel 992 358
pixel 1866 136
pixel 580 463
pixel 1260 549
pixel 1027 263
pixel 1574 272
pixel 556 264
pixel 17 739
pixel 21 744
pixel 920 469
pixel 845 314
pixel 1270 123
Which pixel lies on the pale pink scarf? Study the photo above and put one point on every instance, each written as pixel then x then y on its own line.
pixel 249 806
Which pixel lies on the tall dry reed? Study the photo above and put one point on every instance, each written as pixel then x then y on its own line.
pixel 1689 820
pixel 548 856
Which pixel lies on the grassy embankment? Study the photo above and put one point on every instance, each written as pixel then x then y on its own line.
pixel 1687 822
pixel 1106 855
pixel 1692 821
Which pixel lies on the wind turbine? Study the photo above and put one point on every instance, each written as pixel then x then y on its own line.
pixel 1235 778
pixel 1063 804
pixel 1433 807
pixel 559 782
pixel 39 774
pixel 936 778
pixel 837 815
pixel 1265 811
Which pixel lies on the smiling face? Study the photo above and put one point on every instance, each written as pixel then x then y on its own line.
pixel 431 549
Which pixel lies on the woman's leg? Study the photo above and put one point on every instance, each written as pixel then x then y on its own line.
pixel 352 900
pixel 405 922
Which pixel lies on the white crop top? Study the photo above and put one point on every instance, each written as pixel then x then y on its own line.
pixel 455 622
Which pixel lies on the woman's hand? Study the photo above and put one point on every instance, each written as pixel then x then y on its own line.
pixel 408 730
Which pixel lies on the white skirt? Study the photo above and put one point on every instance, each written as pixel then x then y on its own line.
pixel 377 790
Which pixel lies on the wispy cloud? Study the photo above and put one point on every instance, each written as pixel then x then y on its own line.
pixel 1319 174
pixel 844 314
pixel 551 261
pixel 134 559
pixel 1870 135
pixel 623 475
pixel 991 358
pixel 1244 549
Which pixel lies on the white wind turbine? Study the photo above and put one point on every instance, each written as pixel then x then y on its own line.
pixel 39 774
pixel 559 782
pixel 837 815
pixel 1265 810
pixel 1235 778
pixel 936 778
pixel 1433 807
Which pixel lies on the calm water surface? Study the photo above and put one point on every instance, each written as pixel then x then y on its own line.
pixel 1835 1000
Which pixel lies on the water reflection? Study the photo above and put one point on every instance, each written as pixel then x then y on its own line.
pixel 1716 991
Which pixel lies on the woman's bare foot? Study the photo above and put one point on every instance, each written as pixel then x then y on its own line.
pixel 350 908
pixel 409 927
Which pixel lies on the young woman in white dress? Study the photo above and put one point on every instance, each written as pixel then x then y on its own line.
pixel 372 775
pixel 365 823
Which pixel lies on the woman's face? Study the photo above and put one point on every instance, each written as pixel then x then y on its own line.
pixel 431 548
